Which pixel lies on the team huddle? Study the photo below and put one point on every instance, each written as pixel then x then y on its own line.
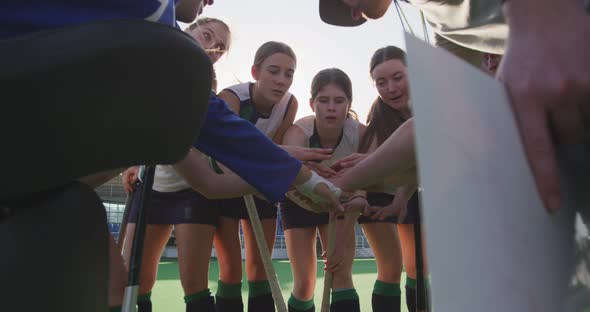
pixel 325 142
pixel 322 174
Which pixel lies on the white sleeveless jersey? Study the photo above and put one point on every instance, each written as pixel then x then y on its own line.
pixel 266 124
pixel 167 179
pixel 348 144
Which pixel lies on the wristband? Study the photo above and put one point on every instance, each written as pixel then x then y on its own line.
pixel 307 188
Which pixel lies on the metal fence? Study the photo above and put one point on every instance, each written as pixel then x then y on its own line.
pixel 114 196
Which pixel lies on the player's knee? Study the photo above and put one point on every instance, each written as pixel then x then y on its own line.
pixel 342 279
pixel 410 271
pixel 390 275
pixel 256 272
pixel 194 285
pixel 230 274
pixel 304 288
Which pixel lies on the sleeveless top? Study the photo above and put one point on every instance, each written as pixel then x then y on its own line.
pixel 348 142
pixel 167 179
pixel 266 124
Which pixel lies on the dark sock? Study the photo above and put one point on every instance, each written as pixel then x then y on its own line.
pixel 345 300
pixel 200 301
pixel 229 297
pixel 386 297
pixel 144 302
pixel 411 294
pixel 260 297
pixel 296 305
pixel 423 305
pixel 115 309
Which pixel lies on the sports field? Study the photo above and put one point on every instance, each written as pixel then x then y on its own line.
pixel 167 294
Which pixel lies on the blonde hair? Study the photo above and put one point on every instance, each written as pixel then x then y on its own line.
pixel 208 20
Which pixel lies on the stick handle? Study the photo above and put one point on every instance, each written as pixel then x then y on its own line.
pixel 123 229
pixel 131 292
pixel 328 275
pixel 265 254
pixel 130 299
pixel 421 296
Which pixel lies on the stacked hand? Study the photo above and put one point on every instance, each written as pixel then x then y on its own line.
pixel 308 154
pixel 317 194
pixel 397 208
pixel 323 170
pixel 348 161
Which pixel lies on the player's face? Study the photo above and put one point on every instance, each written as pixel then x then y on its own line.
pixel 274 76
pixel 213 37
pixel 331 106
pixel 392 83
pixel 490 63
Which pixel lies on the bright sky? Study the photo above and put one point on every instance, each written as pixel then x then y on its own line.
pixel 316 45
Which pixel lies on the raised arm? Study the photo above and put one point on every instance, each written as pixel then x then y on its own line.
pixel 393 162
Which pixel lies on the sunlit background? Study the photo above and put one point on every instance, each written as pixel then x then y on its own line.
pixel 317 45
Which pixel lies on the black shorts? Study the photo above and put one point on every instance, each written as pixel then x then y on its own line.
pixel 235 208
pixel 186 206
pixel 293 216
pixel 384 199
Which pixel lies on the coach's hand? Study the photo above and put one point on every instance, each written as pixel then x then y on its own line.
pixel 546 71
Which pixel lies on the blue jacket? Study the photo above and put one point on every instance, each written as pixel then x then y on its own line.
pixel 225 136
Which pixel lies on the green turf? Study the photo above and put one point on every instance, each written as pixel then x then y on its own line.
pixel 167 294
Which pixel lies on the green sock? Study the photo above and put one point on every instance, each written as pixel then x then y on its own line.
pixel 410 282
pixel 299 304
pixel 386 289
pixel 344 294
pixel 196 296
pixel 115 309
pixel 258 288
pixel 229 291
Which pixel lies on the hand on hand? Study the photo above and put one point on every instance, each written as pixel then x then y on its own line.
pixel 307 153
pixel 323 170
pixel 349 161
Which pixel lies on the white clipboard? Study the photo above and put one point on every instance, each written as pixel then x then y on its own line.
pixel 491 246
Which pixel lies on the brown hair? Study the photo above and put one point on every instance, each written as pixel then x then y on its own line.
pixel 208 20
pixel 382 119
pixel 270 48
pixel 338 77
